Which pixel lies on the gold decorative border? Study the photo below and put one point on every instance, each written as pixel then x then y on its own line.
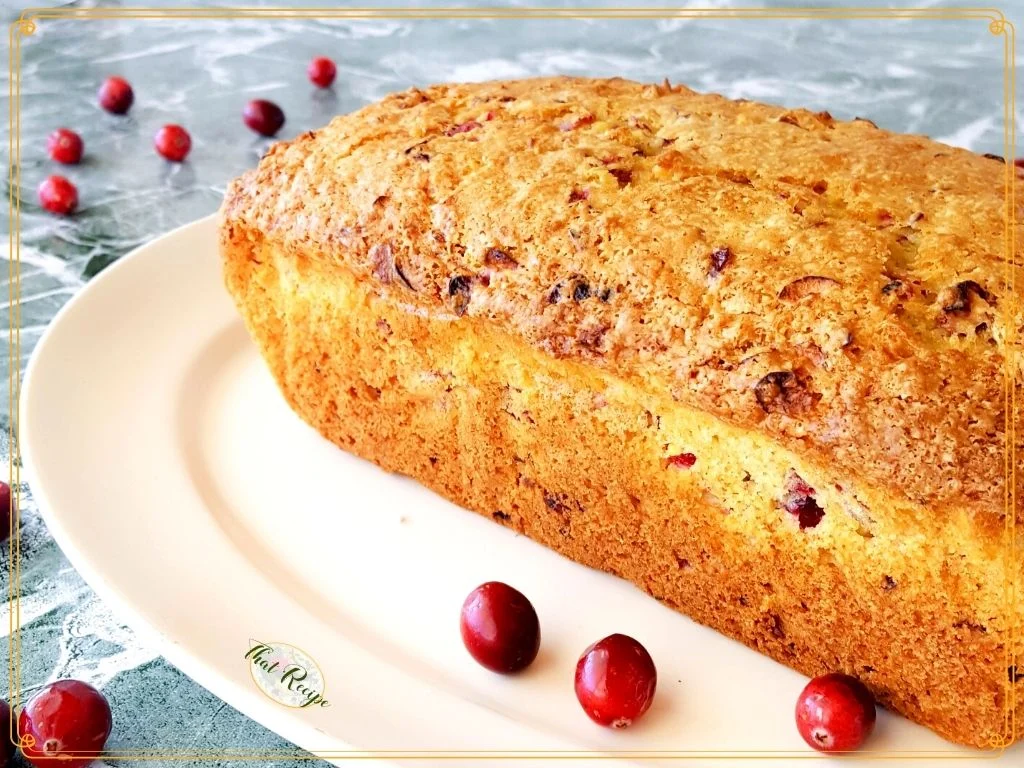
pixel 26 25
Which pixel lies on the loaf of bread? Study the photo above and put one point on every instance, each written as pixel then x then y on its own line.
pixel 758 361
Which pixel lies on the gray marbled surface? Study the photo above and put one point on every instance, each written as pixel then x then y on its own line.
pixel 942 78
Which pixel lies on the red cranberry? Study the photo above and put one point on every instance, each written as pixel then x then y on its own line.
pixel 500 627
pixel 68 720
pixel 806 511
pixel 116 95
pixel 798 500
pixel 6 514
pixel 622 175
pixel 7 748
pixel 682 460
pixel 835 713
pixel 173 142
pixel 576 122
pixel 321 71
pixel 65 146
pixel 719 258
pixel 465 127
pixel 58 195
pixel 615 681
pixel 264 117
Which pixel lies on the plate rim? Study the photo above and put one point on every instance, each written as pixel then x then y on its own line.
pixel 180 655
pixel 183 656
pixel 189 663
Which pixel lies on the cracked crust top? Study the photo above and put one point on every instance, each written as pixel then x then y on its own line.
pixel 836 286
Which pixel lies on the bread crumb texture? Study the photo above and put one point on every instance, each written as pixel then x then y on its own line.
pixel 755 360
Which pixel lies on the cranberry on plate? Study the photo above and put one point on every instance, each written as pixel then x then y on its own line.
pixel 264 117
pixel 321 71
pixel 500 628
pixel 66 724
pixel 7 748
pixel 58 195
pixel 835 713
pixel 116 95
pixel 6 515
pixel 65 146
pixel 615 681
pixel 173 142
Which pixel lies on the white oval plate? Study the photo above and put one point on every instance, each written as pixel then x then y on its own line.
pixel 190 497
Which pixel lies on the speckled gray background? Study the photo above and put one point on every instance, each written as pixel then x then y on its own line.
pixel 942 78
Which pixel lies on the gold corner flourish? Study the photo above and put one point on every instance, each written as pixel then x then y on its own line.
pixel 26 27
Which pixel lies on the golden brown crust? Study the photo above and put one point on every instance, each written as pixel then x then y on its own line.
pixel 693 245
pixel 574 281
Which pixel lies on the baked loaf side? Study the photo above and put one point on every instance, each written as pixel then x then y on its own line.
pixel 753 360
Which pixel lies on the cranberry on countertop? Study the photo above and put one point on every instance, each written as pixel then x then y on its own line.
pixel 500 628
pixel 615 681
pixel 66 718
pixel 835 713
pixel 6 511
pixel 7 748
pixel 116 95
pixel 321 71
pixel 173 142
pixel 58 195
pixel 65 146
pixel 264 117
